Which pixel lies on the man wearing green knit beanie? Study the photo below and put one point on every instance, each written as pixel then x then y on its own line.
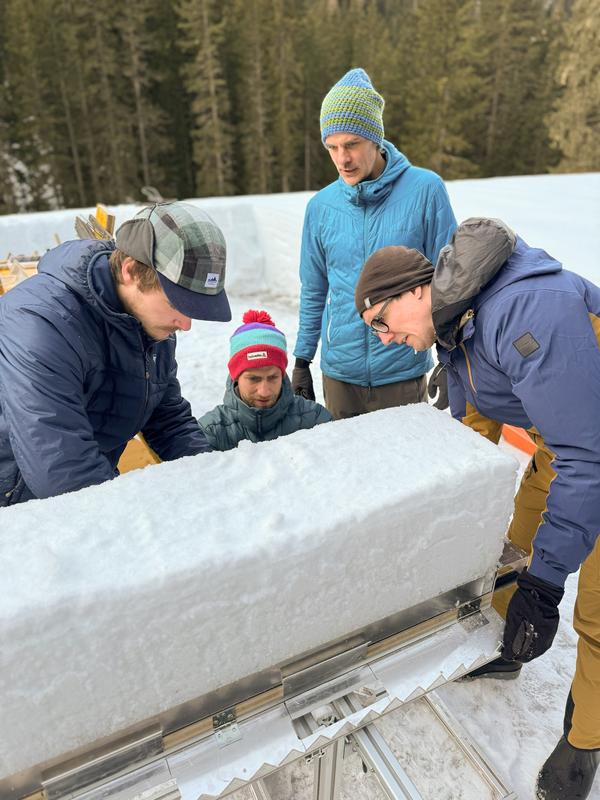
pixel 379 199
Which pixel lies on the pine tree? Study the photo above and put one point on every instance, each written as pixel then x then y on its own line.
pixel 166 60
pixel 252 34
pixel 515 36
pixel 133 26
pixel 31 159
pixel 288 106
pixel 440 88
pixel 326 55
pixel 202 29
pixel 575 124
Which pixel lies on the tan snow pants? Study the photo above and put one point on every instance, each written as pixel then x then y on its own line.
pixel 530 502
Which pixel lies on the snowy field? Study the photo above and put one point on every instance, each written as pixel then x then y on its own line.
pixel 517 722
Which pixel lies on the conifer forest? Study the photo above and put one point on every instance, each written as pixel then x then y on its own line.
pixel 220 97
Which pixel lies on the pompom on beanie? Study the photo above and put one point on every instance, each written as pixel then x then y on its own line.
pixel 256 343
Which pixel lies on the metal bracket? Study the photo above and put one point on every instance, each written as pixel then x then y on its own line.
pixel 469 608
pixel 226 727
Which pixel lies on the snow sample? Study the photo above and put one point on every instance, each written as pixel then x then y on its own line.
pixel 124 600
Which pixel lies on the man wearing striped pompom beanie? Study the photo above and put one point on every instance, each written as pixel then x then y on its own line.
pixel 259 403
pixel 379 199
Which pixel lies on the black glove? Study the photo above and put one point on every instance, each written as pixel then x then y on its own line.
pixel 531 619
pixel 302 380
pixel 438 385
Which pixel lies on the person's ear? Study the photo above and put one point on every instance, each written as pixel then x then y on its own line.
pixel 126 275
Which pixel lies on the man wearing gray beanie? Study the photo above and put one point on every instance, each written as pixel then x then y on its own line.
pixel 378 199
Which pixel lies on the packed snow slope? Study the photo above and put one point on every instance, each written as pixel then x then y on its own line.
pixel 557 212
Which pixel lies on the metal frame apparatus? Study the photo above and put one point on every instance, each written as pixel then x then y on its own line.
pixel 312 708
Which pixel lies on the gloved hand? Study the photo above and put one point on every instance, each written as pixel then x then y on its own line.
pixel 302 383
pixel 438 386
pixel 531 619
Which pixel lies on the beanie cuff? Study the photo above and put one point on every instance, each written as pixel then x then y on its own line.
pixel 255 357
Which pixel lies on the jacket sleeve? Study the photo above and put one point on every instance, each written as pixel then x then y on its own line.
pixel 323 415
pixel 558 384
pixel 172 431
pixel 219 434
pixel 42 396
pixel 440 222
pixel 314 288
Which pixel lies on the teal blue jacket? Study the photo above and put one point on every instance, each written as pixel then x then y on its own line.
pixel 343 226
pixel 228 424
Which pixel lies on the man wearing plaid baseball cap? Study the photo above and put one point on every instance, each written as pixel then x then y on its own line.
pixel 87 351
pixel 187 250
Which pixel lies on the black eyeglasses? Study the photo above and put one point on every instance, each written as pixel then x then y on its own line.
pixel 377 324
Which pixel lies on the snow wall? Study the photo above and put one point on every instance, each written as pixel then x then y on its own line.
pixel 263 231
pixel 124 600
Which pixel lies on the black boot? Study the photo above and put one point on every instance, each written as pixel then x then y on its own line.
pixel 501 669
pixel 568 774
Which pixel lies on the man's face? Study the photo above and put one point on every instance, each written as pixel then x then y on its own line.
pixel 157 316
pixel 152 309
pixel 260 387
pixel 356 158
pixel 408 318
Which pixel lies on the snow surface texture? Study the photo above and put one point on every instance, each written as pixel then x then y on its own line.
pixel 228 570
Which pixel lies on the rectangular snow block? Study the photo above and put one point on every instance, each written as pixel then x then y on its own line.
pixel 124 600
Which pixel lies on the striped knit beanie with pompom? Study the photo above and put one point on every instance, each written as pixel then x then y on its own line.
pixel 353 106
pixel 256 343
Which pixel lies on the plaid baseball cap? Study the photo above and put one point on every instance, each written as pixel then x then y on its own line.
pixel 187 250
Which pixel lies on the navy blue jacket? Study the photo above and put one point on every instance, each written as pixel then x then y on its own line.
pixel 79 377
pixel 530 356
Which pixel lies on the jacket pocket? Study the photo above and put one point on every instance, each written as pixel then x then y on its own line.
pixel 330 328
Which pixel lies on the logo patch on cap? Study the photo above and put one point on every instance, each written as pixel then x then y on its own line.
pixel 212 280
pixel 256 355
pixel 526 344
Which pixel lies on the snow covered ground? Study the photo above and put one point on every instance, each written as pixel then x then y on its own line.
pixel 517 722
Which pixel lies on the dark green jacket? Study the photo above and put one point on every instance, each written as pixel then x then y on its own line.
pixel 228 424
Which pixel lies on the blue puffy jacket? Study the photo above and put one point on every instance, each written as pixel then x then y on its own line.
pixel 343 226
pixel 79 378
pixel 528 354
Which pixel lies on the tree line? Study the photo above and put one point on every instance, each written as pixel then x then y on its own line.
pixel 220 97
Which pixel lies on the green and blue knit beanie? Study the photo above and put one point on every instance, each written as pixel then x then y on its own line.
pixel 353 106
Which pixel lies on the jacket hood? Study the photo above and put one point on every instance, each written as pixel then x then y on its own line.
pixel 373 191
pixel 82 265
pixel 477 251
pixel 266 418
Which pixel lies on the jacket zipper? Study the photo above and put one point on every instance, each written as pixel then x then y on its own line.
pixel 330 319
pixel 365 251
pixel 145 352
pixel 464 349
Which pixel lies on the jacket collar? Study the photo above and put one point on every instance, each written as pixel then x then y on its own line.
pixel 475 255
pixel 370 192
